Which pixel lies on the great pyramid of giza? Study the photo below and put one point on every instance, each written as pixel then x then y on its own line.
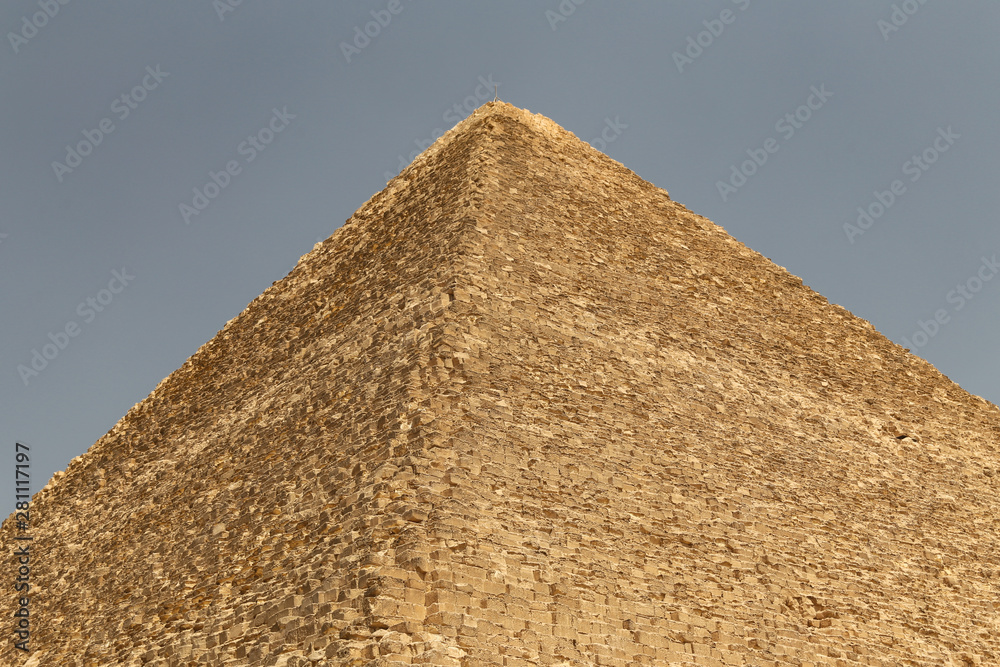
pixel 525 409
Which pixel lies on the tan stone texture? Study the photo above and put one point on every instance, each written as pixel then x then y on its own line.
pixel 525 409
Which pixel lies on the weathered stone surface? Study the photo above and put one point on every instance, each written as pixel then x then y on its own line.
pixel 525 409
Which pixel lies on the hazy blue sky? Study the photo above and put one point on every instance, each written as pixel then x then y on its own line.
pixel 115 111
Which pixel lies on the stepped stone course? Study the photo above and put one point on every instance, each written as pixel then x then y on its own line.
pixel 525 409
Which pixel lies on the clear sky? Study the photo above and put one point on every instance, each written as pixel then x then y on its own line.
pixel 165 162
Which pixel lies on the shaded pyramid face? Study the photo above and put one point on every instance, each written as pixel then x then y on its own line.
pixel 525 409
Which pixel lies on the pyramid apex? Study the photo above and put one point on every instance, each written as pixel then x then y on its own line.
pixel 535 121
pixel 475 124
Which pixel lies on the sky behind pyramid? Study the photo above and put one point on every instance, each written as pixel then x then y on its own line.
pixel 210 146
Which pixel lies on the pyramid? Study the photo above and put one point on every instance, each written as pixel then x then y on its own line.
pixel 525 409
